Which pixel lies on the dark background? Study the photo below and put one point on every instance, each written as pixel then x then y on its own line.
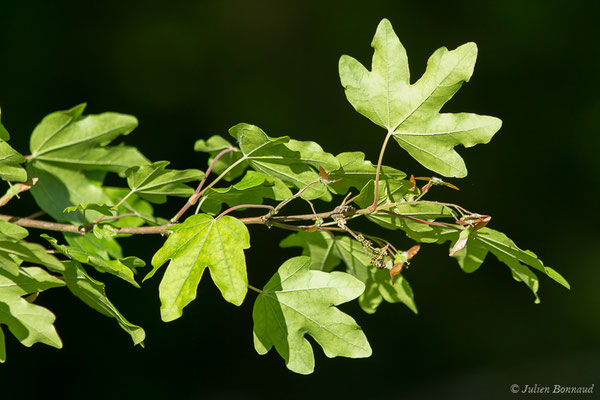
pixel 190 70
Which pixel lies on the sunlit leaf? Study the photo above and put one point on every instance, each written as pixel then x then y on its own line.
pixel 327 251
pixel 355 172
pixel 67 139
pixel 294 162
pixel 31 252
pixel 28 322
pixel 251 189
pixel 411 112
pixel 298 301
pixel 28 280
pixel 202 241
pixel 9 231
pixel 153 182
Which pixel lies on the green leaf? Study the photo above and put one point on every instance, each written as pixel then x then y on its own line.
pixel 102 208
pixel 104 248
pixel 4 135
pixel 356 172
pixel 251 189
pixel 102 231
pixel 214 145
pixel 489 240
pixel 327 251
pixel 133 204
pixel 28 322
pixel 59 188
pixel 70 158
pixel 294 162
pixel 10 170
pixel 486 240
pixel 299 301
pixel 31 252
pixel 122 267
pixel 321 247
pixel 153 182
pixel 108 158
pixel 9 231
pixel 411 112
pixel 28 280
pixel 10 262
pixel 92 293
pixel 392 193
pixel 67 139
pixel 2 346
pixel 199 242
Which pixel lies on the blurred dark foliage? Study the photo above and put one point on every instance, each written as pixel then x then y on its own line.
pixel 188 70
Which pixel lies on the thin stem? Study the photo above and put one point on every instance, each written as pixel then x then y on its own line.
pixel 257 290
pixel 422 221
pixel 124 199
pixel 36 214
pixel 199 205
pixel 133 214
pixel 294 196
pixel 116 207
pixel 198 193
pixel 267 219
pixel 375 200
pixel 218 178
pixel 245 206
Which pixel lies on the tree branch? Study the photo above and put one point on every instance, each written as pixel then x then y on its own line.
pixel 266 219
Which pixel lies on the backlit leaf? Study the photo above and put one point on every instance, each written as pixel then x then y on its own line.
pixel 28 322
pixel 67 139
pixel 411 112
pixel 202 241
pixel 299 301
pixel 153 182
pixel 327 251
pixel 294 162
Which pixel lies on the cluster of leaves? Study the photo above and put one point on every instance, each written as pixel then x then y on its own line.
pixel 71 155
